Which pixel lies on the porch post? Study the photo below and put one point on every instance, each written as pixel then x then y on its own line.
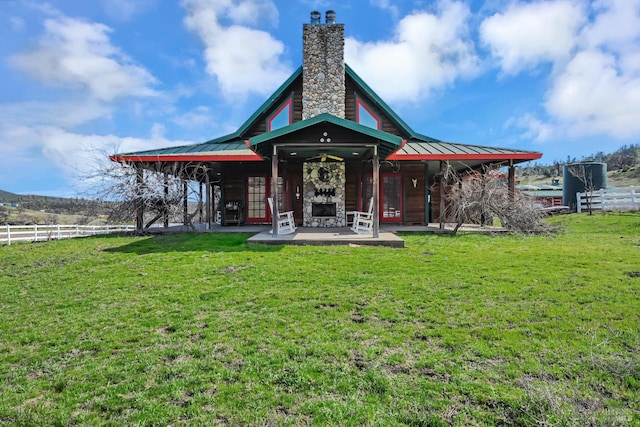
pixel 512 181
pixel 185 201
pixel 166 200
pixel 200 202
pixel 207 183
pixel 443 170
pixel 139 198
pixel 274 192
pixel 376 195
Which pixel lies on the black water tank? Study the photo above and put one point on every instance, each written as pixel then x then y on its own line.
pixel 576 177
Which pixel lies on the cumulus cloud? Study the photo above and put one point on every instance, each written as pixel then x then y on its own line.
pixel 616 25
pixel 595 95
pixel 528 34
pixel 594 88
pixel 79 54
pixel 242 59
pixel 75 154
pixel 429 51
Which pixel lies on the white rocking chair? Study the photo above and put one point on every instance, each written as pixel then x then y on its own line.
pixel 286 223
pixel 363 221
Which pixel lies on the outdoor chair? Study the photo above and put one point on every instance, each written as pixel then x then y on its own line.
pixel 286 223
pixel 363 221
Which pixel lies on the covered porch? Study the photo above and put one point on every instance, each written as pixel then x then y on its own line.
pixel 323 150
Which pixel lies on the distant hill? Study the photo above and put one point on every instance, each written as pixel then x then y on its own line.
pixel 56 205
pixel 8 197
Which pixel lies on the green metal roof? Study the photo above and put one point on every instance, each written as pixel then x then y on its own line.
pixel 438 150
pixel 232 147
pixel 206 151
pixel 386 142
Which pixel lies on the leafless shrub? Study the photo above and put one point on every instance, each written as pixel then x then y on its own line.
pixel 478 198
pixel 156 188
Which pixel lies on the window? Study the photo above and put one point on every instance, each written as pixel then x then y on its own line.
pixel 282 117
pixel 365 116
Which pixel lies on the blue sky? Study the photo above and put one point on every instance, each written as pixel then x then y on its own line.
pixel 84 78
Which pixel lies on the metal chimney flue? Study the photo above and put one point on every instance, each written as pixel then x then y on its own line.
pixel 315 17
pixel 330 17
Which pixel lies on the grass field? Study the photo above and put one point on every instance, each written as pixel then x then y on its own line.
pixel 205 330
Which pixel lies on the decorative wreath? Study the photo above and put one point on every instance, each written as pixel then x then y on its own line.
pixel 323 174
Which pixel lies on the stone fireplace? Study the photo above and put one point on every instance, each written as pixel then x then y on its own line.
pixel 323 195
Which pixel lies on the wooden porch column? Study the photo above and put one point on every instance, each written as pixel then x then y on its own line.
pixel 207 183
pixel 139 198
pixel 483 195
pixel 166 200
pixel 376 191
pixel 185 202
pixel 512 181
pixel 200 202
pixel 274 192
pixel 441 179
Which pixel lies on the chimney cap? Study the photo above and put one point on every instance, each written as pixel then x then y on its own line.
pixel 315 17
pixel 330 17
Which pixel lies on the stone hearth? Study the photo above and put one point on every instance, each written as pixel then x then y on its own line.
pixel 324 183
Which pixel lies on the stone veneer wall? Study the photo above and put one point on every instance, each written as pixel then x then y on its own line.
pixel 323 86
pixel 336 180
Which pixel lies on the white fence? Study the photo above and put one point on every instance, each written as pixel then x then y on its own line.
pixel 612 199
pixel 34 233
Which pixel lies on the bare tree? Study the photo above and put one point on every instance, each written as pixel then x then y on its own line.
pixel 477 198
pixel 585 176
pixel 158 189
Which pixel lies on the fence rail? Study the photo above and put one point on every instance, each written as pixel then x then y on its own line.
pixel 609 200
pixel 34 233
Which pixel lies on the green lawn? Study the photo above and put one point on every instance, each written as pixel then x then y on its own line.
pixel 205 330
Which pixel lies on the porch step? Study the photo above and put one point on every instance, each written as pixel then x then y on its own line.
pixel 328 236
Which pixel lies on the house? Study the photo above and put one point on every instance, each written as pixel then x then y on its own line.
pixel 322 146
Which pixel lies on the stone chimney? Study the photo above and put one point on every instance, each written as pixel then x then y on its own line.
pixel 323 67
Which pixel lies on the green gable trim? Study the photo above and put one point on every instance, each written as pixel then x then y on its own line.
pixel 386 142
pixel 265 107
pixel 378 102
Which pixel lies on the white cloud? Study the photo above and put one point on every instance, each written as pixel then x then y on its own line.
pixel 125 10
pixel 242 59
pixel 596 90
pixel 528 34
pixel 428 51
pixel 617 25
pixel 594 94
pixel 17 23
pixel 196 118
pixel 75 154
pixel 537 130
pixel 67 114
pixel 388 6
pixel 79 54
